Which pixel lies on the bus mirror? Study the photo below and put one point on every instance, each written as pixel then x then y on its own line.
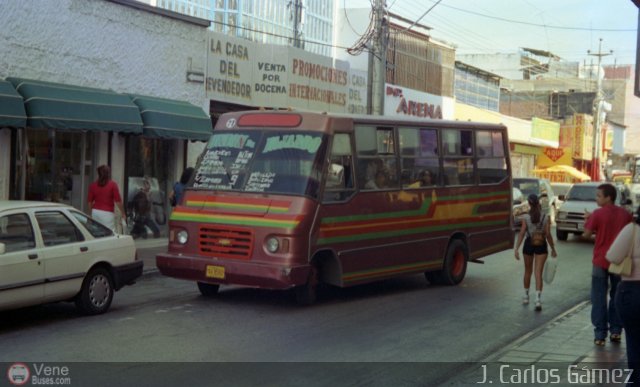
pixel 335 177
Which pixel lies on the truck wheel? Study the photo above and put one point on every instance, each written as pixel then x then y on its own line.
pixel 562 235
pixel 208 290
pixel 96 293
pixel 307 294
pixel 454 267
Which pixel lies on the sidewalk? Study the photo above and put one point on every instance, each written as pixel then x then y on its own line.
pixel 562 347
pixel 147 250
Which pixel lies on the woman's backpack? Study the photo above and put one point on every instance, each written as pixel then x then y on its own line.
pixel 538 235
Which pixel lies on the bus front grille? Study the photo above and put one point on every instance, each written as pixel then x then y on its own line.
pixel 225 242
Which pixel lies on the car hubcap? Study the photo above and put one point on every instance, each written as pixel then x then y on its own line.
pixel 99 290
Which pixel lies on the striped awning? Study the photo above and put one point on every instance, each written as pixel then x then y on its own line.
pixel 12 112
pixel 167 118
pixel 62 106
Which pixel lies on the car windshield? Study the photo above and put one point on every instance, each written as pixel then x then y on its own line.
pixel 262 161
pixel 527 187
pixel 582 193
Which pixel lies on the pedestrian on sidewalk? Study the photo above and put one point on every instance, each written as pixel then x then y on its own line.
pixel 536 226
pixel 606 222
pixel 627 299
pixel 175 197
pixel 103 197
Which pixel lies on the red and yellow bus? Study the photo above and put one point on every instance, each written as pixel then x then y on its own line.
pixel 286 199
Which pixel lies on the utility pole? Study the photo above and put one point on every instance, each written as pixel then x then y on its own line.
pixel 378 60
pixel 296 14
pixel 597 109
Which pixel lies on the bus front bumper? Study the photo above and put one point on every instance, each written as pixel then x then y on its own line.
pixel 231 272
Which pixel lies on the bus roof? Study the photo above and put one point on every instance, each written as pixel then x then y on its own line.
pixel 320 121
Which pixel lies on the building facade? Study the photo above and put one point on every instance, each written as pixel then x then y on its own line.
pixel 306 24
pixel 73 64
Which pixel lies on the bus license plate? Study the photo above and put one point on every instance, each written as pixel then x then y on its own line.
pixel 215 272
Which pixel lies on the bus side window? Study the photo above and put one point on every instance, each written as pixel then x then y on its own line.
pixel 339 184
pixel 492 164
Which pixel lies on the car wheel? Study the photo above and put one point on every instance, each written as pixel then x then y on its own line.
pixel 96 293
pixel 208 290
pixel 562 235
pixel 454 267
pixel 308 293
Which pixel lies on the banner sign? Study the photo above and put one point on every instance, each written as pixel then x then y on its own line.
pixel 275 76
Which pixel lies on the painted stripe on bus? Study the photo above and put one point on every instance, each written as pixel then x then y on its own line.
pixel 388 270
pixel 289 222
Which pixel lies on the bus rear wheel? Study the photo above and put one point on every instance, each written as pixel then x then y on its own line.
pixel 454 267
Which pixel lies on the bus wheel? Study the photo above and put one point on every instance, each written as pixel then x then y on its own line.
pixel 208 290
pixel 306 294
pixel 454 268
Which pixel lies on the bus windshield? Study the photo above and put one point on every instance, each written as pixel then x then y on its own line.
pixel 281 162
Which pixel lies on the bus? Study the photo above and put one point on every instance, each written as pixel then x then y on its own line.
pixel 285 199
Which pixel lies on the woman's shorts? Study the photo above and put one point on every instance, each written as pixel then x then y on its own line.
pixel 529 249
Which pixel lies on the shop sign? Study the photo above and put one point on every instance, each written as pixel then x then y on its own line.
pixel 545 130
pixel 582 148
pixel 554 156
pixel 276 76
pixel 404 102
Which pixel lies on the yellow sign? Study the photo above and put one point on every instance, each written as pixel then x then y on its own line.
pixel 554 156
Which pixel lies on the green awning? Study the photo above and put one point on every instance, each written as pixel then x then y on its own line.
pixel 167 118
pixel 11 107
pixel 61 106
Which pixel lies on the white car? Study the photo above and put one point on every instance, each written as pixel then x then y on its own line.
pixel 52 252
pixel 580 198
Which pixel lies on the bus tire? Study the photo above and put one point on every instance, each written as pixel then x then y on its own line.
pixel 562 235
pixel 454 267
pixel 208 290
pixel 308 293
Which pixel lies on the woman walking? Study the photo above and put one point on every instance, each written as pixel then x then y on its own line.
pixel 103 196
pixel 536 227
pixel 627 298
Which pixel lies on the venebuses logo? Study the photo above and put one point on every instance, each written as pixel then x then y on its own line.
pixel 18 374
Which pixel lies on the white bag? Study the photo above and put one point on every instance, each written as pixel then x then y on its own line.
pixel 549 271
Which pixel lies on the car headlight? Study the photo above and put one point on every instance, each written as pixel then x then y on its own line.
pixel 182 237
pixel 272 245
pixel 561 215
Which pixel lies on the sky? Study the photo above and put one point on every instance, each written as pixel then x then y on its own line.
pixel 566 28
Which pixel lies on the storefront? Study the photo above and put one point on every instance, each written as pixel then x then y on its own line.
pixel 71 130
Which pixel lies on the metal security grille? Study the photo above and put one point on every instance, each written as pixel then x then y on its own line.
pixel 225 242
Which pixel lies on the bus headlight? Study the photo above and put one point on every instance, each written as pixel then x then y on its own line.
pixel 272 245
pixel 182 237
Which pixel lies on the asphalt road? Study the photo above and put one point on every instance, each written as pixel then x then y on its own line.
pixel 396 332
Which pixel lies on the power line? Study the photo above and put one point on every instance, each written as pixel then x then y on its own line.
pixel 538 25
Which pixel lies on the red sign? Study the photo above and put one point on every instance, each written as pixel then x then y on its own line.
pixel 554 154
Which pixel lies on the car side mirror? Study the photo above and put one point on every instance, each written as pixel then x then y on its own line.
pixel 561 197
pixel 2 248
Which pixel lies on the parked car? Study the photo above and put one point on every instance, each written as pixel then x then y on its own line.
pixel 560 190
pixel 520 208
pixel 52 252
pixel 581 197
pixel 540 187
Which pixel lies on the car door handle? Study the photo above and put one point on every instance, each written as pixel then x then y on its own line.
pixel 33 256
pixel 84 248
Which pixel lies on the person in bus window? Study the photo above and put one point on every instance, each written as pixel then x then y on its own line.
pixel 425 179
pixel 378 182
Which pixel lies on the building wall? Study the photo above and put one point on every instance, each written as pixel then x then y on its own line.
pixel 505 65
pixel 105 45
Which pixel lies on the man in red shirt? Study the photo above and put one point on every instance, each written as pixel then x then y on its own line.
pixel 606 222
